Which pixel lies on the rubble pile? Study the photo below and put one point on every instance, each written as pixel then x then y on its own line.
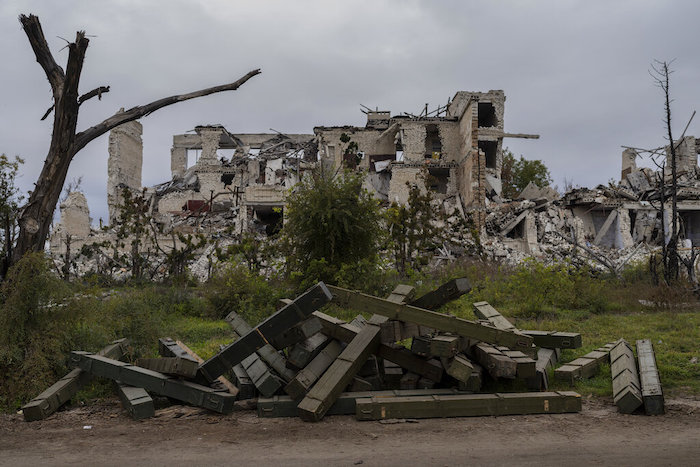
pixel 303 362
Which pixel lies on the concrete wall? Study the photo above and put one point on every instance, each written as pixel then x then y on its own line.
pixel 124 163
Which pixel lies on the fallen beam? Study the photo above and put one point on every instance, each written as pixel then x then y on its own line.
pixel 286 406
pixel 267 352
pixel 302 353
pixel 367 303
pixel 153 381
pixel 555 339
pixel 627 393
pixel 546 359
pixel 64 389
pixel 136 401
pixel 649 378
pixel 261 376
pixel 304 379
pixel 324 393
pixel 584 367
pixel 286 317
pixel 444 294
pixel 398 354
pixel 180 347
pixel 296 333
pixel 493 361
pixel 246 388
pixel 467 405
pixel 185 367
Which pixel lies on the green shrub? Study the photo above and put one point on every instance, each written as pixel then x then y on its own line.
pixel 250 295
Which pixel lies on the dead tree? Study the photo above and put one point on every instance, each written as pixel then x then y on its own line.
pixel 35 217
pixel 661 74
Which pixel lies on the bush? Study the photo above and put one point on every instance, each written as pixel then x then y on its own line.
pixel 332 224
pixel 535 290
pixel 250 295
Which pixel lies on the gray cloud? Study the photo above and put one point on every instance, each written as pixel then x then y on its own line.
pixel 573 71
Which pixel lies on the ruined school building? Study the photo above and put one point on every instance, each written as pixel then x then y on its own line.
pixel 456 154
pixel 223 181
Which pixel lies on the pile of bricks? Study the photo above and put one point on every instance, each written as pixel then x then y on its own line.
pixel 302 362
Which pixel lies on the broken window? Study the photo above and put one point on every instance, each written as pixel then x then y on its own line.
pixel 269 220
pixel 227 178
pixel 433 145
pixel 192 157
pixel 487 115
pixel 489 148
pixel 437 180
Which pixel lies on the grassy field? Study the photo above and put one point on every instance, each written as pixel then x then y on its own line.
pixel 675 336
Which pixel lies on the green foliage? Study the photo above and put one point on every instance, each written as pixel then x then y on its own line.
pixel 517 174
pixel 332 219
pixel 250 295
pixel 43 318
pixel 10 200
pixel 414 231
pixel 536 290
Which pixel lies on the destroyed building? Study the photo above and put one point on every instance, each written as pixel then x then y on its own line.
pixel 234 183
pixel 455 151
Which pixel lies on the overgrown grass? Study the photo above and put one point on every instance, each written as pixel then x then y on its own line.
pixel 42 318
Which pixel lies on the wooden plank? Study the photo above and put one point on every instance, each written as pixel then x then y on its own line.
pixel 526 366
pixel 473 384
pixel 168 347
pixel 467 405
pixel 584 367
pixel 402 294
pixel 158 383
pixel 136 401
pixel 627 393
pixel 230 387
pixel 267 352
pixel 185 367
pixel 246 388
pixel 286 406
pixel 483 310
pixel 307 377
pixel 459 367
pixel 302 353
pixel 420 345
pixel 263 379
pixel 65 388
pixel 546 359
pixel 444 346
pixel 288 316
pixel 367 303
pixel 444 294
pixel 649 379
pixel 296 333
pixel 398 354
pixel 555 339
pixel 324 393
pixel 493 361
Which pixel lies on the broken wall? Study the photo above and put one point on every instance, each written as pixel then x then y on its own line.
pixel 124 164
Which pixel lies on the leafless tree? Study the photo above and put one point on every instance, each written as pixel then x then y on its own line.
pixel 35 217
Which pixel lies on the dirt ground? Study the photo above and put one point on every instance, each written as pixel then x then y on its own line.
pixel 102 434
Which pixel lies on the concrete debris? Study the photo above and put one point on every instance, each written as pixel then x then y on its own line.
pixel 341 379
pixel 225 185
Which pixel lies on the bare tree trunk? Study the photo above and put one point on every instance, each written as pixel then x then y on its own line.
pixel 36 216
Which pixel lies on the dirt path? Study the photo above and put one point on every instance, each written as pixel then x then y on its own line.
pixel 188 436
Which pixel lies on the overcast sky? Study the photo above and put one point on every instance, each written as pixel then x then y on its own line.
pixel 574 72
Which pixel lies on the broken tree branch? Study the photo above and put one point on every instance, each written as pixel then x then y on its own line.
pixel 84 137
pixel 53 71
pixel 95 92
